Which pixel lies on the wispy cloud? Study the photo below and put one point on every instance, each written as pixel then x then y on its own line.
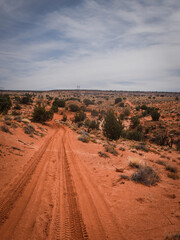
pixel 128 45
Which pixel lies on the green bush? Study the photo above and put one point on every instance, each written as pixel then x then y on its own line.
pixel 135 121
pixel 26 99
pixel 41 115
pixel 17 107
pixel 59 102
pixel 112 127
pixel 126 112
pixel 121 104
pixel 54 108
pixel 133 135
pixel 118 100
pixel 155 115
pixel 74 108
pixel 88 102
pixel 64 119
pixel 94 113
pixel 79 117
pixel 5 103
pixel 91 124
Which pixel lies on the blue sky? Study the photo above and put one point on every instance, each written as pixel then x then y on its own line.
pixel 102 44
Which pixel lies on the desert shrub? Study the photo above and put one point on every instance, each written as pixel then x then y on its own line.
pixel 5 129
pixel 112 127
pixel 83 108
pixel 104 155
pixel 41 115
pixel 144 107
pixel 118 100
pixel 94 113
pixel 145 175
pixel 142 146
pixel 121 117
pixel 17 99
pixel 174 176
pixel 138 108
pixel 162 139
pixel 54 108
pixel 8 122
pixel 139 128
pixel 29 129
pixel 155 115
pixel 171 169
pixel 74 108
pixel 109 148
pixel 5 103
pixel 26 99
pixel 178 145
pixel 73 99
pixel 64 119
pixel 121 104
pixel 59 102
pixel 88 102
pixel 15 113
pixel 160 162
pixel 133 135
pixel 18 118
pixel 79 117
pixel 17 107
pixel 173 237
pixel 135 121
pixel 84 138
pixel 126 112
pixel 94 125
pixel 125 177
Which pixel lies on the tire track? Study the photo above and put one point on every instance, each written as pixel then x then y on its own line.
pixel 17 188
pixel 99 220
pixel 68 220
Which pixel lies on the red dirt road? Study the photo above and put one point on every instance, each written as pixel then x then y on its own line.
pixel 55 197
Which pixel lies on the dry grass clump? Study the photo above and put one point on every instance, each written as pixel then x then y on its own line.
pixel 173 237
pixel 171 169
pixel 146 176
pixel 104 155
pixel 84 138
pixel 174 176
pixel 5 129
pixel 111 149
pixel 29 129
pixel 142 147
pixel 160 162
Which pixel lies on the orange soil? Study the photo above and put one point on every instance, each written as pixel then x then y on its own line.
pixel 61 189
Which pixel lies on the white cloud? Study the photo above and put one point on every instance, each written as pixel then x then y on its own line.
pixel 96 46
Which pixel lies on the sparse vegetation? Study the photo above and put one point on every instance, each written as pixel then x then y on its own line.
pixel 173 237
pixel 111 149
pixel 112 126
pixel 74 108
pixel 80 116
pixel 118 100
pixel 5 103
pixel 146 176
pixel 155 115
pixel 5 129
pixel 104 155
pixel 41 115
pixel 172 169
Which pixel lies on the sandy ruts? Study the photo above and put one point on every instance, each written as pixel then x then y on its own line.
pixel 55 198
